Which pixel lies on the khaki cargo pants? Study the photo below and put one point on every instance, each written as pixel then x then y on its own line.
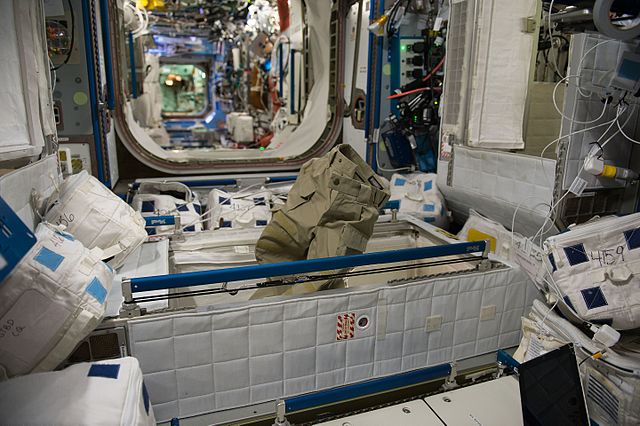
pixel 330 211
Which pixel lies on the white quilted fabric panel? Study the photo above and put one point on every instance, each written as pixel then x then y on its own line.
pixel 494 183
pixel 208 361
pixel 596 73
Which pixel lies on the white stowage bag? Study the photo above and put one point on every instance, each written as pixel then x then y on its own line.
pixel 96 217
pixel 238 210
pixel 596 270
pixel 169 198
pixel 419 197
pixel 53 298
pixel 109 392
pixel 478 227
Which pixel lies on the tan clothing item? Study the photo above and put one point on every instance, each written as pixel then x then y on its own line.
pixel 330 211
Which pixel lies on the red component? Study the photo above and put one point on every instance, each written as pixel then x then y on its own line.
pixel 265 140
pixel 283 11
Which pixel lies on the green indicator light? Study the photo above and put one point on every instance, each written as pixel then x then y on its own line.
pixel 403 48
pixel 415 118
pixel 262 148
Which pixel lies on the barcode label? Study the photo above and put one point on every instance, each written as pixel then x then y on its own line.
pixel 578 186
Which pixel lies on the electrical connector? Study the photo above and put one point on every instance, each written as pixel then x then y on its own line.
pixel 605 335
pixel 595 166
pixel 377 27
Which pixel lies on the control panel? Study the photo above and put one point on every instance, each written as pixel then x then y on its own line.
pixel 411 64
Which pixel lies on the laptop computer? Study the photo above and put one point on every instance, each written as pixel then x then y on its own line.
pixel 551 391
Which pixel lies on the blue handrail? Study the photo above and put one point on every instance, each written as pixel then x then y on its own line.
pixel 369 387
pixel 190 279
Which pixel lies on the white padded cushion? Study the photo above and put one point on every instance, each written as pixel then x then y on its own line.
pixel 54 298
pixel 107 392
pixel 229 357
pixel 96 216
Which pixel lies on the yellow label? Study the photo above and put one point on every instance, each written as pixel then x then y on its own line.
pixel 475 235
pixel 62 155
pixel 608 171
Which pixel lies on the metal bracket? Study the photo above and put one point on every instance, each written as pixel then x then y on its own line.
pixel 450 382
pixel 281 420
pixel 129 309
pixel 530 25
pixel 485 265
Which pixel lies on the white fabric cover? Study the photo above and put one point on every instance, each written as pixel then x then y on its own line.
pixel 53 299
pixel 96 217
pixel 597 270
pixel 153 199
pixel 238 210
pixel 42 177
pixel 82 394
pixel 478 227
pixel 495 183
pixel 419 196
pixel 613 395
pixel 487 72
pixel 231 356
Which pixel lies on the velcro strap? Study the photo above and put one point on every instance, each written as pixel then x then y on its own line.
pixel 619 274
pixel 113 250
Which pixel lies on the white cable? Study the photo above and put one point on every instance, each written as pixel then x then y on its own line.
pixel 554 206
pixel 555 103
pixel 566 136
pixel 399 169
pixel 623 132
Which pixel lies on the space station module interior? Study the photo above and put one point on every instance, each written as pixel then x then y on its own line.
pixel 339 212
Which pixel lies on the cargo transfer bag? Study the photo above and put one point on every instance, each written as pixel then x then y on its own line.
pixel 169 199
pixel 96 217
pixel 53 298
pixel 418 195
pixel 243 209
pixel 596 270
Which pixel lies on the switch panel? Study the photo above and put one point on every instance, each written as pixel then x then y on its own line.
pixel 411 62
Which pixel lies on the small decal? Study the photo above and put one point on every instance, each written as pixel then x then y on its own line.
pixel 345 326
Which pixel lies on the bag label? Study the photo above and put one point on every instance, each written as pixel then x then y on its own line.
pixel 607 257
pixel 345 326
pixel 529 257
pixel 29 326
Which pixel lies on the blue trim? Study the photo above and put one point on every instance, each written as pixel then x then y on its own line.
pixel 93 95
pixel 277 179
pixel 97 290
pixel 281 70
pixel 370 387
pixel 505 359
pixel 48 258
pixel 367 105
pixel 108 62
pixel 145 399
pixel 292 81
pixel 108 371
pixel 392 205
pixel 132 63
pixel 376 110
pixel 190 279
pixel 15 239
pixel 160 220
